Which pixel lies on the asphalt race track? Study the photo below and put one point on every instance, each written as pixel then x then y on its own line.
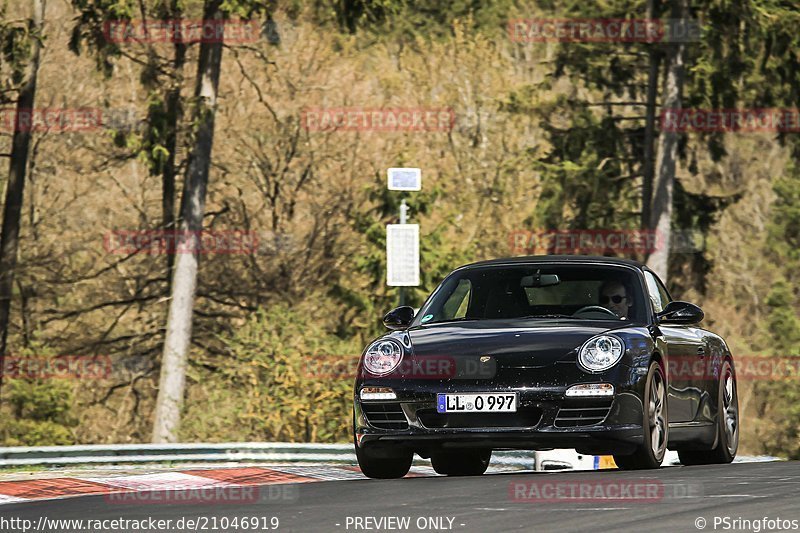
pixel 670 499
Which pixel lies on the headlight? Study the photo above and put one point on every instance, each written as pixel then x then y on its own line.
pixel 382 357
pixel 600 353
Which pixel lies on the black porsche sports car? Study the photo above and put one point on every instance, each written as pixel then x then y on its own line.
pixel 545 352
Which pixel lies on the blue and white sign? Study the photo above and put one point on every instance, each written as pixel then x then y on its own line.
pixel 405 179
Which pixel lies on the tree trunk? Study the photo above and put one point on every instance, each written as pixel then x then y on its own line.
pixel 179 322
pixel 661 215
pixel 168 174
pixel 650 122
pixel 20 147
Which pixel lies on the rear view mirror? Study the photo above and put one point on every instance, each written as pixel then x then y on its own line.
pixel 539 280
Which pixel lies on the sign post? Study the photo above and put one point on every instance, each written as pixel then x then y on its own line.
pixel 402 240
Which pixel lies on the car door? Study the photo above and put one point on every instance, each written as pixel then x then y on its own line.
pixel 684 357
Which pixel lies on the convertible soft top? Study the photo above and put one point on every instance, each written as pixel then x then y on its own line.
pixel 557 259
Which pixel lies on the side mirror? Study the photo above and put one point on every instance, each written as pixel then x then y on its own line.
pixel 678 312
pixel 399 318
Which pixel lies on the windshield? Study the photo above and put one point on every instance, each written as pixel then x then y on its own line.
pixel 578 292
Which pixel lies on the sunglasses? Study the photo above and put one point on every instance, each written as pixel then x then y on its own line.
pixel 616 299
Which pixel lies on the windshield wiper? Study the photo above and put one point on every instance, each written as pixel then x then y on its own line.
pixel 550 316
pixel 461 319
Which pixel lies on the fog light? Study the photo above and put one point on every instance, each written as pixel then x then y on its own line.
pixel 377 393
pixel 591 389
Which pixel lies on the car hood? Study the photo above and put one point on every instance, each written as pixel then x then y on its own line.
pixel 511 343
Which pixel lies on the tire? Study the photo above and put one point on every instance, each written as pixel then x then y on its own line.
pixel 461 462
pixel 655 424
pixel 390 467
pixel 727 424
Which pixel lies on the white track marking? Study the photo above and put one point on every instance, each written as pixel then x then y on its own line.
pixel 11 499
pixel 163 481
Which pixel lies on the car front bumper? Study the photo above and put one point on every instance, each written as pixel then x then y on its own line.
pixel 545 418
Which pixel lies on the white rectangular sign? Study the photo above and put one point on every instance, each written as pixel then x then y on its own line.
pixel 405 179
pixel 402 255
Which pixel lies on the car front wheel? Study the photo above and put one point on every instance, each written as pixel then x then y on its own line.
pixel 655 424
pixel 384 466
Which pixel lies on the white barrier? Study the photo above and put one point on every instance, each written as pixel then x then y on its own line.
pixel 274 452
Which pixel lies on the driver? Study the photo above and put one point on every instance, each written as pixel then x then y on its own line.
pixel 615 298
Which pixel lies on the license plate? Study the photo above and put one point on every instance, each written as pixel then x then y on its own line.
pixel 484 402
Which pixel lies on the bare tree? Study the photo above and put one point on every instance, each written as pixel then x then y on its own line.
pixel 654 60
pixel 661 208
pixel 168 172
pixel 20 148
pixel 184 284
